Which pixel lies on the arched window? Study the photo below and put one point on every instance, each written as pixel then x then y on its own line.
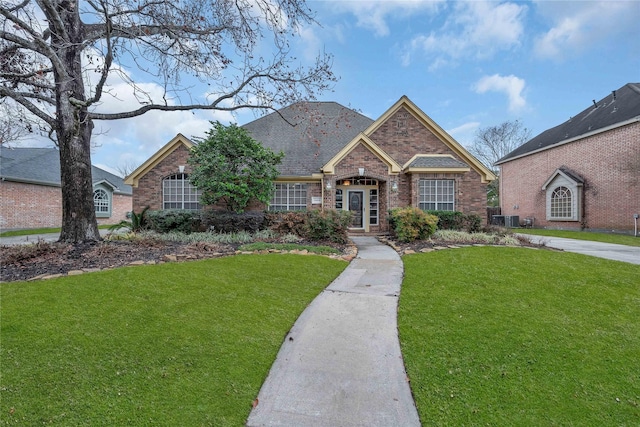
pixel 179 193
pixel 101 203
pixel 561 203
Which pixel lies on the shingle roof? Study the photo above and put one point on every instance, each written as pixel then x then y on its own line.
pixel 609 111
pixel 310 133
pixel 428 161
pixel 42 166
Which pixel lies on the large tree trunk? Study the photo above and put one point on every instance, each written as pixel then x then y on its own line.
pixel 73 132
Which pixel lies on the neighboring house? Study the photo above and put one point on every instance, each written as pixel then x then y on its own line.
pixel 31 197
pixel 336 158
pixel 584 173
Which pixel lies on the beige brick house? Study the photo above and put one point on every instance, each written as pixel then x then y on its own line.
pixel 336 158
pixel 31 196
pixel 582 174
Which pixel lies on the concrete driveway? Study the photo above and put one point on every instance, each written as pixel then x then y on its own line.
pixel 612 251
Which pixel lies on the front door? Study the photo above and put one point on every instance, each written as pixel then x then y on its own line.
pixel 356 204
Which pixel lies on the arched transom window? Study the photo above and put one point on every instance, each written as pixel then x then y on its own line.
pixel 561 203
pixel 101 202
pixel 179 193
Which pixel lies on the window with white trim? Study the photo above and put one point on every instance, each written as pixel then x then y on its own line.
pixel 289 197
pixel 101 203
pixel 561 203
pixel 179 193
pixel 436 194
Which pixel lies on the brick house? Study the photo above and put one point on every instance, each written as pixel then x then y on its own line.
pixel 336 158
pixel 31 197
pixel 584 173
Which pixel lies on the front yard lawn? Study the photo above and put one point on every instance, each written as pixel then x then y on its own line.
pixel 516 336
pixel 620 239
pixel 180 344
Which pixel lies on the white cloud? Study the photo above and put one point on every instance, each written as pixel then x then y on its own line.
pixel 511 86
pixel 578 25
pixel 476 29
pixel 465 133
pixel 373 15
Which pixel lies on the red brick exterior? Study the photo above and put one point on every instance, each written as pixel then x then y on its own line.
pixel 38 206
pixel 149 190
pixel 401 137
pixel 609 163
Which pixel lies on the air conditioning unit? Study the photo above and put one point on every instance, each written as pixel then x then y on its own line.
pixel 512 221
pixel 497 220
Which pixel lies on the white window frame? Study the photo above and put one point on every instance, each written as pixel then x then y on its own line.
pixel 289 197
pixel 434 194
pixel 573 189
pixel 179 193
pixel 102 205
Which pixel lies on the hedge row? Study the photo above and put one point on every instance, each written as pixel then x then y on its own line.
pixel 325 225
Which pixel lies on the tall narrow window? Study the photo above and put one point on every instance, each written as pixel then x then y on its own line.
pixel 289 197
pixel 101 203
pixel 436 194
pixel 561 203
pixel 179 193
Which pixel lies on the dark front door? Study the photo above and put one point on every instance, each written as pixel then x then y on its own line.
pixel 355 206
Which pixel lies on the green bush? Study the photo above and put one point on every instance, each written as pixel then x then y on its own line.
pixel 232 222
pixel 454 220
pixel 328 225
pixel 164 221
pixel 409 224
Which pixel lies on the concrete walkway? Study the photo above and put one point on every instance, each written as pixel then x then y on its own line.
pixel 340 365
pixel 603 250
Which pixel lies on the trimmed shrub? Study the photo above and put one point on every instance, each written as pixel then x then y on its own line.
pixel 328 225
pixel 287 222
pixel 409 224
pixel 454 220
pixel 232 222
pixel 164 221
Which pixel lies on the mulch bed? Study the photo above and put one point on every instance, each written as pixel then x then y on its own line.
pixel 24 262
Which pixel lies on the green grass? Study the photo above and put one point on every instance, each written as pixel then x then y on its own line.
pixel 516 336
pixel 262 246
pixel 31 231
pixel 621 239
pixel 182 344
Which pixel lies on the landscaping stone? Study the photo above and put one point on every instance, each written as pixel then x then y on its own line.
pixel 75 272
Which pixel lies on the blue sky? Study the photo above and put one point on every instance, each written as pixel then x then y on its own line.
pixel 468 65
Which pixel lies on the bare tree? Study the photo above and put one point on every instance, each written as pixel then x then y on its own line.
pixel 59 58
pixel 493 143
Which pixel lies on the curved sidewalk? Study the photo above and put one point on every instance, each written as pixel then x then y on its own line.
pixel 612 251
pixel 340 365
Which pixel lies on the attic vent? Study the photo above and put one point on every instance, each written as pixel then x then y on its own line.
pixel 594 103
pixel 614 110
pixel 614 95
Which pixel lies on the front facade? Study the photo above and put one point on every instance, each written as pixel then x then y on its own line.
pixel 336 158
pixel 31 196
pixel 582 174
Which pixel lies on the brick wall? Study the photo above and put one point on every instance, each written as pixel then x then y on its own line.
pixel 29 206
pixel 608 162
pixel 402 137
pixel 38 206
pixel 149 190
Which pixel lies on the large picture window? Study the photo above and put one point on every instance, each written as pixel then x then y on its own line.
pixel 561 203
pixel 179 193
pixel 289 197
pixel 101 203
pixel 436 194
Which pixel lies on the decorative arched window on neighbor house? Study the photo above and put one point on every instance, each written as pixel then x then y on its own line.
pixel 563 196
pixel 102 203
pixel 179 193
pixel 561 203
